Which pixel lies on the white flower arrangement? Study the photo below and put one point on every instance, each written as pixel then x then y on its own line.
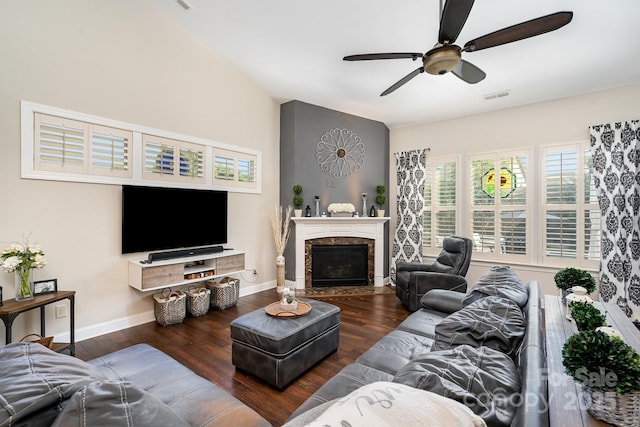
pixel 341 207
pixel 20 257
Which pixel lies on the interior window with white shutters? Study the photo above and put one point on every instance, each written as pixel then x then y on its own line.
pixel 173 160
pixel 110 151
pixel 235 169
pixel 499 211
pixel 60 144
pixel 64 145
pixel 439 218
pixel 571 213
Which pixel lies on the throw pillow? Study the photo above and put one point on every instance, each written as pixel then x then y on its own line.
pixel 491 321
pixel 484 380
pixel 499 281
pixel 392 404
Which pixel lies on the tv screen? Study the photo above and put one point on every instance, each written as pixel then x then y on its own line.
pixel 156 218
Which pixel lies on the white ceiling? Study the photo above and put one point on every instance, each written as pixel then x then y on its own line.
pixel 293 49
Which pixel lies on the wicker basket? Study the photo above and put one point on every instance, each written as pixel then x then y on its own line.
pixel 620 410
pixel 198 301
pixel 39 339
pixel 225 293
pixel 169 307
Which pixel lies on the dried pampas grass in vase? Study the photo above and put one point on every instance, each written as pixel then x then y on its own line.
pixel 280 229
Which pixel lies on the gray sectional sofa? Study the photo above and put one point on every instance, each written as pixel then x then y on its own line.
pixel 137 386
pixel 483 349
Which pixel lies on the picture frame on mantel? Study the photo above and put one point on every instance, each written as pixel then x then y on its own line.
pixel 45 286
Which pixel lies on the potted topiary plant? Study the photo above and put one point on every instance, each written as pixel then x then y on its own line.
pixel 609 371
pixel 586 316
pixel 298 201
pixel 569 277
pixel 381 198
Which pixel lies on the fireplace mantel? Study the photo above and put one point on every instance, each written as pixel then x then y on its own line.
pixel 317 227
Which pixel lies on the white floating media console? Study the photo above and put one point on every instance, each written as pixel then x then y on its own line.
pixel 150 276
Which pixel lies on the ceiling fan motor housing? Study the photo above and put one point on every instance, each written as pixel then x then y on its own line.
pixel 442 59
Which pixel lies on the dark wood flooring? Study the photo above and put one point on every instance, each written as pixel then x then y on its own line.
pixel 204 345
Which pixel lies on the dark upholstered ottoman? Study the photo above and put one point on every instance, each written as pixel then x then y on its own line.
pixel 278 350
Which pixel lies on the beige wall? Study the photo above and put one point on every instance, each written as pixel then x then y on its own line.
pixel 559 121
pixel 122 60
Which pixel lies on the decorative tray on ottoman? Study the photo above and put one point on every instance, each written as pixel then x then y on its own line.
pixel 274 310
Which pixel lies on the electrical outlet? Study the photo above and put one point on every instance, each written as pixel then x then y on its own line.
pixel 61 311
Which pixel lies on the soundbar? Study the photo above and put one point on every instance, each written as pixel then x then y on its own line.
pixel 180 253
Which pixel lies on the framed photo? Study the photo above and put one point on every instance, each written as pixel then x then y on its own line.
pixel 45 286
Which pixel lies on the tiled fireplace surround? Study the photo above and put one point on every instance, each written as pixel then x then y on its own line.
pixel 339 231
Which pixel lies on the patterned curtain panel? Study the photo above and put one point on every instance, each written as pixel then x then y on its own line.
pixel 407 242
pixel 616 171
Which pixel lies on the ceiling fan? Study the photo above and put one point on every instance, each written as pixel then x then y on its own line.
pixel 447 57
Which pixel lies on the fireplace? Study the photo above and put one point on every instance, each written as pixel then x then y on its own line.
pixel 367 231
pixel 339 265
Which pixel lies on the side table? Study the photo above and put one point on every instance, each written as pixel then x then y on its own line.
pixel 566 407
pixel 12 308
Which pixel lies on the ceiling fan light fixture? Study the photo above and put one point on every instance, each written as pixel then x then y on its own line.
pixel 442 60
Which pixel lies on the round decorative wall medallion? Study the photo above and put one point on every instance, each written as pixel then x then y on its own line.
pixel 340 152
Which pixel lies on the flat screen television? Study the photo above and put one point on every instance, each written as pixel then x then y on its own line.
pixel 157 218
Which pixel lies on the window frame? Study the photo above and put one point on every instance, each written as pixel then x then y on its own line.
pixel 581 149
pixel 498 207
pixel 433 207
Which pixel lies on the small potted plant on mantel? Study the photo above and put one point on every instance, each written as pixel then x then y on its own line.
pixel 381 198
pixel 298 201
pixel 569 277
pixel 609 371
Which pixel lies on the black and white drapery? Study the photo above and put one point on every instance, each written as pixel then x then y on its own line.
pixel 407 241
pixel 616 171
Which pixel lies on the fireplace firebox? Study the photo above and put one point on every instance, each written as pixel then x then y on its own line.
pixel 339 265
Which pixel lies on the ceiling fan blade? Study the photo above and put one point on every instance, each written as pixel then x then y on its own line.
pixel 403 80
pixel 520 31
pixel 372 56
pixel 454 15
pixel 468 72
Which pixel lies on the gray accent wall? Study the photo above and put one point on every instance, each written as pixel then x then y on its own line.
pixel 302 126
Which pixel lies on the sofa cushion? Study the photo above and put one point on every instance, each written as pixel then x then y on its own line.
pixel 35 380
pixel 393 404
pixel 491 321
pixel 483 379
pixel 113 404
pixel 500 281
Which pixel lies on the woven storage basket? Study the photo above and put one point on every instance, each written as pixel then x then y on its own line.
pixel 620 410
pixel 169 307
pixel 225 293
pixel 198 301
pixel 39 339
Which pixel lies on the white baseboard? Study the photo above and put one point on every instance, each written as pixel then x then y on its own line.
pixel 138 319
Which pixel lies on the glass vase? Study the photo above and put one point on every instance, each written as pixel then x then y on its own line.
pixel 24 284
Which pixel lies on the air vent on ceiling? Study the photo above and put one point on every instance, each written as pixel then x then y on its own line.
pixel 184 4
pixel 497 95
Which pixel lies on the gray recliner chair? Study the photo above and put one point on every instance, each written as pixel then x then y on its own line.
pixel 413 280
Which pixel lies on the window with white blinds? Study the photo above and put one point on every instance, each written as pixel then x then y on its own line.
pixel 71 146
pixel 571 212
pixel 173 160
pixel 65 145
pixel 439 217
pixel 499 210
pixel 233 168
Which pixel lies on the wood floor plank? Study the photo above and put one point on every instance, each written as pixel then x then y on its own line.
pixel 204 345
